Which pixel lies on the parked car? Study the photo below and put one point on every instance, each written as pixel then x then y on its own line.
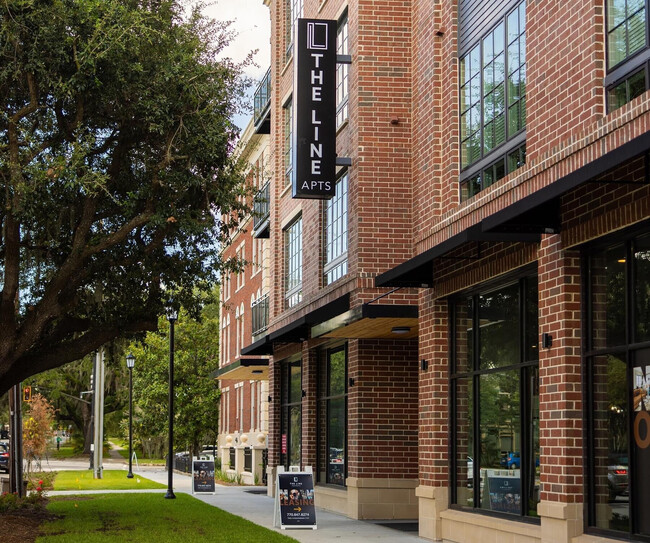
pixel 512 460
pixel 4 457
pixel 618 475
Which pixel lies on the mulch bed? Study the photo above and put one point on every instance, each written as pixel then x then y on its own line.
pixel 22 525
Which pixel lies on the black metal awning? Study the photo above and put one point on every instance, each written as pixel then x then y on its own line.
pixel 524 220
pixel 540 211
pixel 418 271
pixel 298 329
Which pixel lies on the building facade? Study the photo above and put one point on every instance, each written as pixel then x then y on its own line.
pixel 244 415
pixel 458 335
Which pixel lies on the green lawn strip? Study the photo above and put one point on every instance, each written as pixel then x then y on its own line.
pixel 65 451
pixel 147 517
pixel 111 480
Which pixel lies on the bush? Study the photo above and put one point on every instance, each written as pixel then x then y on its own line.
pixel 12 502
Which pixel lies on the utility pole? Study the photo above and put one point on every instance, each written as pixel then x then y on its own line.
pixel 98 400
pixel 16 443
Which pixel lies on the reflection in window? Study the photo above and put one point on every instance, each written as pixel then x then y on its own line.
pixel 610 443
pixel 618 371
pixel 332 450
pixel 293 263
pixel 493 98
pixel 291 413
pixel 342 72
pixel 626 34
pixel 496 400
pixel 336 232
pixel 626 90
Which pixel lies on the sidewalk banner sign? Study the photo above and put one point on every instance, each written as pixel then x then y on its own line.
pixel 203 477
pixel 294 499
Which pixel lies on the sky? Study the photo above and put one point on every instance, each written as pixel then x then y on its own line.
pixel 252 23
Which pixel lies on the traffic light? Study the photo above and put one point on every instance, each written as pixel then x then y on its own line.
pixel 27 394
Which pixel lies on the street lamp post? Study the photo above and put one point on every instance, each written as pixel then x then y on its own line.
pixel 172 316
pixel 130 362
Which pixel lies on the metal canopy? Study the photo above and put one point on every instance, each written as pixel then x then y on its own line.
pixel 523 221
pixel 418 271
pixel 244 369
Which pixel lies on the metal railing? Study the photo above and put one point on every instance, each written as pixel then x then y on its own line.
pixel 260 314
pixel 262 98
pixel 261 205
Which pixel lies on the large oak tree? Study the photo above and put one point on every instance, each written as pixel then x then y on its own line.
pixel 115 159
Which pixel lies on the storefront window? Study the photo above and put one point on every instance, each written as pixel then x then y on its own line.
pixel 618 366
pixel 332 426
pixel 291 413
pixel 496 401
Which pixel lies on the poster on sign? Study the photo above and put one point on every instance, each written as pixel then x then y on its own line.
pixel 294 499
pixel 203 477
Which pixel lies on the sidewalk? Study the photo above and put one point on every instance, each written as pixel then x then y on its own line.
pixel 253 504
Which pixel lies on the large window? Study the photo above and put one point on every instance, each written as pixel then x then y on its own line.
pixel 342 72
pixel 627 51
pixel 493 104
pixel 292 12
pixel 288 142
pixel 291 413
pixel 332 408
pixel 495 400
pixel 293 263
pixel 336 232
pixel 618 369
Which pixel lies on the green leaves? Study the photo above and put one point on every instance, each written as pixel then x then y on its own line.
pixel 115 159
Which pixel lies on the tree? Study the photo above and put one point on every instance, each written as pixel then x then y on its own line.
pixel 115 162
pixel 196 356
pixel 64 387
pixel 37 429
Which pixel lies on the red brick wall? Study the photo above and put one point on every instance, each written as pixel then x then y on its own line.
pixel 560 391
pixel 383 409
pixel 434 392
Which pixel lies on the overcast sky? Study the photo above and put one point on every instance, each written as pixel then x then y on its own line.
pixel 251 22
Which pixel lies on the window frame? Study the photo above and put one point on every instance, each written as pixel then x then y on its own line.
pixel 528 370
pixel 336 267
pixel 342 71
pixel 626 352
pixel 513 140
pixel 289 404
pixel 325 399
pixel 293 262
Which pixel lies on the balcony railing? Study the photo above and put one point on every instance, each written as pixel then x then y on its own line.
pixel 261 209
pixel 262 105
pixel 260 315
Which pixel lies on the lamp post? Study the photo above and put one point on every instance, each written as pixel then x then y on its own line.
pixel 172 316
pixel 130 362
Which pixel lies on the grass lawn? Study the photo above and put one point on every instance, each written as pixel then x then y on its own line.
pixel 147 517
pixel 111 480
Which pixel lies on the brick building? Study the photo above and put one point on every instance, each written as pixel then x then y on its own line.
pixel 460 334
pixel 243 380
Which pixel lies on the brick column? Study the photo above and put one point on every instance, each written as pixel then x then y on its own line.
pixel 309 422
pixel 433 491
pixel 560 393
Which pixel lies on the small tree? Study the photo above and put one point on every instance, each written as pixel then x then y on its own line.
pixel 37 429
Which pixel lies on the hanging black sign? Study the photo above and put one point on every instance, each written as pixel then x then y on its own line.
pixel 296 500
pixel 314 116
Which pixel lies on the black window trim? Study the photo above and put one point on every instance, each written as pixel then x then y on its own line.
pixel 520 277
pixel 625 352
pixel 516 140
